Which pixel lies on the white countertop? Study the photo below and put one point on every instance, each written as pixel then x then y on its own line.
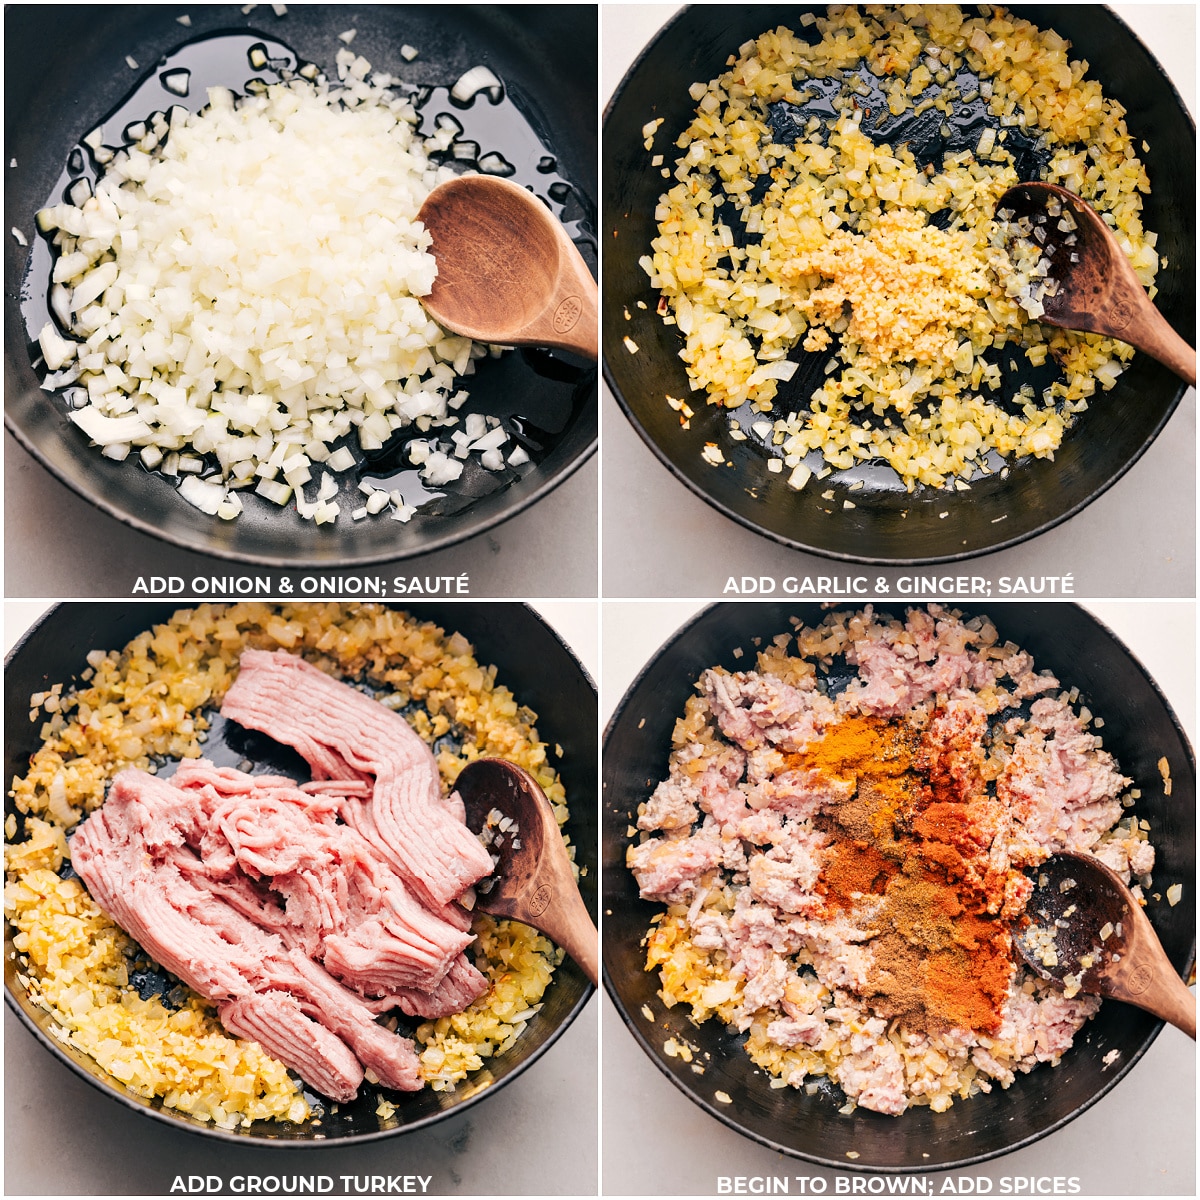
pixel 57 544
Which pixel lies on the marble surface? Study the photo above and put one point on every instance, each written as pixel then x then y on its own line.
pixel 1140 1140
pixel 1138 539
pixel 536 1136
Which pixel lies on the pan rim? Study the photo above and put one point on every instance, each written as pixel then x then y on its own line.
pixel 301 561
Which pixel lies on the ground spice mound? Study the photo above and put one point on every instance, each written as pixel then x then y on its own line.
pixel 912 842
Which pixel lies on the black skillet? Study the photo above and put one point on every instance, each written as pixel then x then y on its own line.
pixel 887 524
pixel 66 71
pixel 1139 728
pixel 531 660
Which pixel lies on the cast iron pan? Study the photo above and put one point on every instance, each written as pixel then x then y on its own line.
pixel 66 71
pixel 888 524
pixel 1139 729
pixel 531 660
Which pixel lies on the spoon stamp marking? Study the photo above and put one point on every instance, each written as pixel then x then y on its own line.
pixel 566 315
pixel 1140 978
pixel 540 900
pixel 1121 313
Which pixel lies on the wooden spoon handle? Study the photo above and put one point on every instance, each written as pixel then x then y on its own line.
pixel 1147 978
pixel 568 321
pixel 1166 996
pixel 557 909
pixel 580 288
pixel 1178 1006
pixel 1151 333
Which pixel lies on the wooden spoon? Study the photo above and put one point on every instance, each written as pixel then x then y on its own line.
pixel 507 271
pixel 533 880
pixel 1129 965
pixel 1100 293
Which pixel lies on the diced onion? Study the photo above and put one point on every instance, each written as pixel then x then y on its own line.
pixel 206 496
pixel 491 440
pixel 277 493
pixel 476 80
pixel 440 468
pixel 56 350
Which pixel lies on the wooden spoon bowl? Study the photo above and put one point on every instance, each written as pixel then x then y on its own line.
pixel 1100 293
pixel 1078 899
pixel 533 881
pixel 508 274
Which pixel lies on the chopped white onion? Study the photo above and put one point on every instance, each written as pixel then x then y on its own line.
pixel 341 459
pixel 109 431
pixel 231 507
pixel 439 469
pixel 317 337
pixel 206 496
pixel 496 164
pixel 492 440
pixel 476 80
pixel 783 370
pixel 178 81
pixel 56 350
pixel 277 493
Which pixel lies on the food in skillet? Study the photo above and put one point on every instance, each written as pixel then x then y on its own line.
pixel 238 299
pixel 838 196
pixel 840 848
pixel 304 923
